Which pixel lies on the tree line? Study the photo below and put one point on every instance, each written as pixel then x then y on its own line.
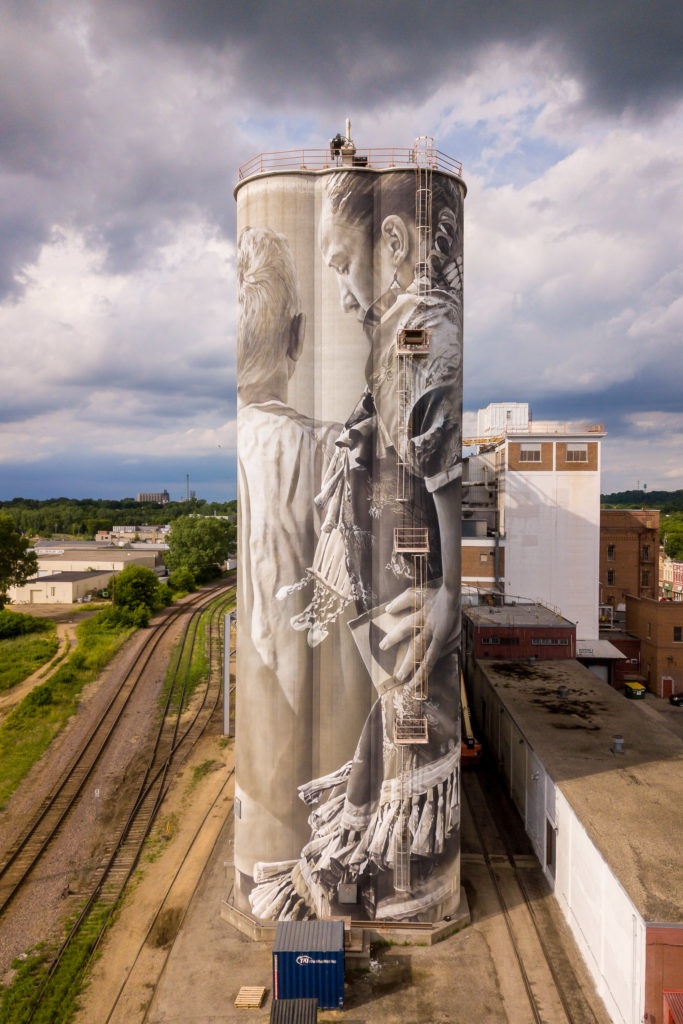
pixel 198 547
pixel 84 517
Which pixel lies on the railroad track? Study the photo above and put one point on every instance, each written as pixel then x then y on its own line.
pixel 178 729
pixel 148 965
pixel 553 990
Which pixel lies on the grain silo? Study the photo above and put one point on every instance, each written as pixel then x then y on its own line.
pixel 349 445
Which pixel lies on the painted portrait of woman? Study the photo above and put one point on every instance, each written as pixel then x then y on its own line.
pixel 384 825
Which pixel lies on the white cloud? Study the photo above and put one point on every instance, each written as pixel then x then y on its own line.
pixel 123 126
pixel 104 358
pixel 572 271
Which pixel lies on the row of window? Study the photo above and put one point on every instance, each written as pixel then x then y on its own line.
pixel 644 578
pixel 574 452
pixel 644 554
pixel 536 642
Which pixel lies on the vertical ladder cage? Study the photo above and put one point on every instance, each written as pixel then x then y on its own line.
pixel 402 840
pixel 412 542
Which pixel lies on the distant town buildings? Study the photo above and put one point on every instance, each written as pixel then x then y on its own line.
pixel 670 578
pixel 129 534
pixel 160 497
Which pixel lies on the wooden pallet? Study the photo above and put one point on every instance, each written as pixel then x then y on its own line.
pixel 250 997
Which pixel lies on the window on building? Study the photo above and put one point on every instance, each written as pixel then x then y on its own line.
pixel 610 577
pixel 530 452
pixel 645 579
pixel 645 557
pixel 577 452
pixel 648 629
pixel 53 591
pixel 678 634
pixel 610 552
pixel 549 641
pixel 483 557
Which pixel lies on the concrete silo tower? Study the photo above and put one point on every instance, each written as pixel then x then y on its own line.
pixel 349 440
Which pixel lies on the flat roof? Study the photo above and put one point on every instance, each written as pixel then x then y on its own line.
pixel 601 648
pixel 108 554
pixel 70 577
pixel 515 615
pixel 629 803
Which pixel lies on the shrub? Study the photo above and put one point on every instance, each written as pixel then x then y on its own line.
pixel 182 580
pixel 15 624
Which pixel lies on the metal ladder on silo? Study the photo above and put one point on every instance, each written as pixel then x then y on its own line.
pixel 413 542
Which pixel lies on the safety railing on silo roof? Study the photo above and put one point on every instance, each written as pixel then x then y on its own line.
pixel 322 159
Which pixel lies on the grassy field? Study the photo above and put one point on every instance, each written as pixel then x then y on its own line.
pixel 21 656
pixel 31 726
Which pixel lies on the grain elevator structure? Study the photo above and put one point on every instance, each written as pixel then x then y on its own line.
pixel 349 370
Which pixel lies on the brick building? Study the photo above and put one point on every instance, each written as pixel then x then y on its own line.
pixel 629 555
pixel 517 631
pixel 659 625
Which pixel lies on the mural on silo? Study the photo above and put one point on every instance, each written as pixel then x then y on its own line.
pixel 349 441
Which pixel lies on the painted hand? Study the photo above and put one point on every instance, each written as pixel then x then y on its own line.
pixel 431 626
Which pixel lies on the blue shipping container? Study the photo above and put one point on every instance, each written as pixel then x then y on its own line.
pixel 308 962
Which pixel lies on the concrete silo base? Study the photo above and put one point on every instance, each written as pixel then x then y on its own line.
pixel 361 934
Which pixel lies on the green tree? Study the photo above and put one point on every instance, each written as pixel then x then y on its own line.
pixel 92 526
pixel 200 544
pixel 17 562
pixel 135 587
pixel 182 580
pixel 674 546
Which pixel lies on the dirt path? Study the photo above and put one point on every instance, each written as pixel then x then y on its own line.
pixel 66 635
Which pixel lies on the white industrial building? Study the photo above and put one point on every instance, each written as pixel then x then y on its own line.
pixel 61 587
pixel 531 511
pixel 69 572
pixel 597 782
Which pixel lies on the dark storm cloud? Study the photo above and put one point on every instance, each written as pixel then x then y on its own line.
pixel 122 123
pixel 101 132
pixel 116 116
pixel 626 52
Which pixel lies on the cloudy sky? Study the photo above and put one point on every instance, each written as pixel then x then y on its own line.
pixel 123 124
